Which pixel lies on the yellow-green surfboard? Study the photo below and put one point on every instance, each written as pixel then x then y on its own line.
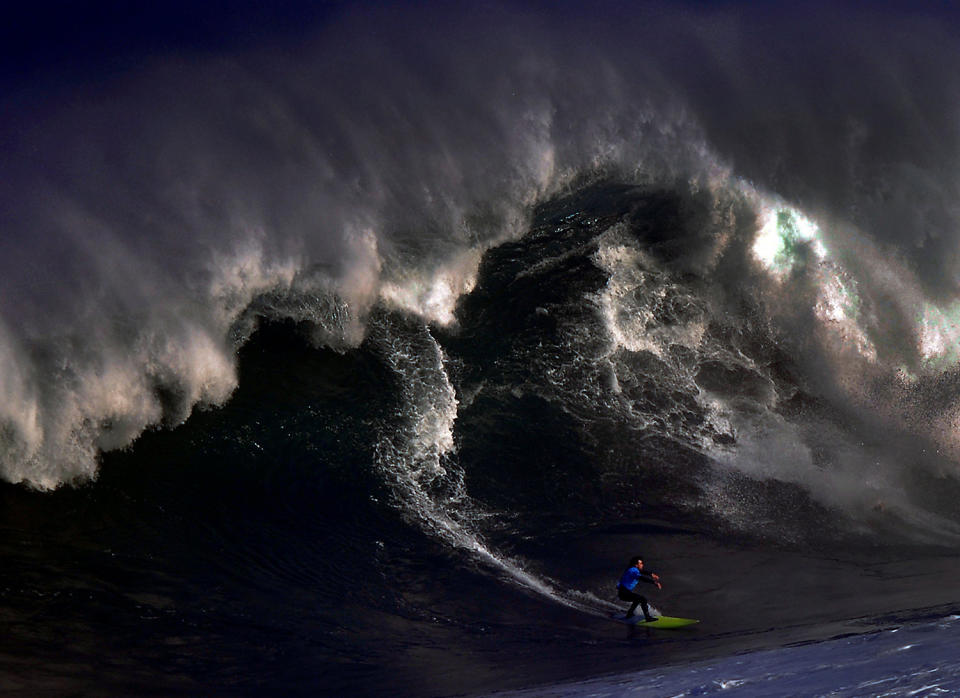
pixel 663 622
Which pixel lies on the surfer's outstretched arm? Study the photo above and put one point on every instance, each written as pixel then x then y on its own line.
pixel 651 578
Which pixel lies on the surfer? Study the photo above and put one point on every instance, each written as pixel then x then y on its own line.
pixel 628 583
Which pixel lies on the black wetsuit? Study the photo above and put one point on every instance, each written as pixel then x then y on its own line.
pixel 628 583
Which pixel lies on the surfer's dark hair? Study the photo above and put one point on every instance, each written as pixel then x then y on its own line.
pixel 635 559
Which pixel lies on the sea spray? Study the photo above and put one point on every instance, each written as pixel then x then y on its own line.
pixel 416 456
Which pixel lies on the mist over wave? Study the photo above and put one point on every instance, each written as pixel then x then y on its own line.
pixel 145 215
pixel 799 300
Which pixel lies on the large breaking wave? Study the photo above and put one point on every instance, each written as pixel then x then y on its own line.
pixel 773 290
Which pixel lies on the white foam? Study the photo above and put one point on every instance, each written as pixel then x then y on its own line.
pixel 631 297
pixel 433 294
pixel 417 453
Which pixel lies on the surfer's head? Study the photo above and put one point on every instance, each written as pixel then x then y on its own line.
pixel 636 561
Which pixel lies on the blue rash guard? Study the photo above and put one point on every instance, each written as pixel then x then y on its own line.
pixel 633 576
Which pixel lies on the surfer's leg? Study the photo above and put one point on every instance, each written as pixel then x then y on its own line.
pixel 636 599
pixel 627 595
pixel 646 609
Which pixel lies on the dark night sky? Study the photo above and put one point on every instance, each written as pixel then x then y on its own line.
pixel 45 39
pixel 74 39
pixel 47 35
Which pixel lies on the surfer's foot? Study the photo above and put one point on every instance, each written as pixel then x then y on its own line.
pixel 649 619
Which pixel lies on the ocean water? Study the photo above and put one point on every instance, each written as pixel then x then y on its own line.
pixel 912 660
pixel 358 358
